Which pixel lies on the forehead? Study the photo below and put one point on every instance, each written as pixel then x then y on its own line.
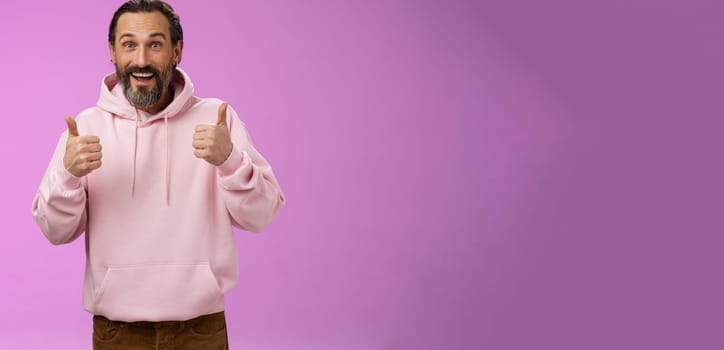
pixel 142 24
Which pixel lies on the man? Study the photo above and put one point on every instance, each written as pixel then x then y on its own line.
pixel 155 177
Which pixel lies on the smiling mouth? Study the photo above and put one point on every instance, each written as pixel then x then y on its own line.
pixel 142 76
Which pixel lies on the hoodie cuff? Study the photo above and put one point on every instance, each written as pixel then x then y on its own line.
pixel 66 179
pixel 232 163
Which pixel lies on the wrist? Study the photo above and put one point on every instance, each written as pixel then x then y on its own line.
pixel 231 163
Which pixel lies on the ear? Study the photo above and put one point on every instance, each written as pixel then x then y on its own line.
pixel 177 51
pixel 112 51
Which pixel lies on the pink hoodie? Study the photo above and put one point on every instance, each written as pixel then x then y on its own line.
pixel 158 220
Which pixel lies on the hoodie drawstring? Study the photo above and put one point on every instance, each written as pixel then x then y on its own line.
pixel 135 151
pixel 168 171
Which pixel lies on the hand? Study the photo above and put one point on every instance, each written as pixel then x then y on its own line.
pixel 82 153
pixel 212 143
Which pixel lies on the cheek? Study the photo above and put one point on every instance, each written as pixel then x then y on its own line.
pixel 160 61
pixel 122 61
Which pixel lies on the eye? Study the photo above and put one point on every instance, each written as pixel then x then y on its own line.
pixel 156 45
pixel 127 45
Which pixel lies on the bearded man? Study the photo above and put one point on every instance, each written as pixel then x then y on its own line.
pixel 155 177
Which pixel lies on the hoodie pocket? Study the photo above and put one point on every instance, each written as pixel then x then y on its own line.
pixel 165 291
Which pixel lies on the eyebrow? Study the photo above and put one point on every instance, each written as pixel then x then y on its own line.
pixel 153 35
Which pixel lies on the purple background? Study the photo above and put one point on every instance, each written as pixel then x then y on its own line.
pixel 513 174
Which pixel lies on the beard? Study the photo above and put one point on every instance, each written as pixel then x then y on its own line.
pixel 145 97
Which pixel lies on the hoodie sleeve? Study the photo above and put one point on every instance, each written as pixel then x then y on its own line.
pixel 250 190
pixel 59 207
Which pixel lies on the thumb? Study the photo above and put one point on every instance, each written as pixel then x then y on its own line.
pixel 222 114
pixel 72 126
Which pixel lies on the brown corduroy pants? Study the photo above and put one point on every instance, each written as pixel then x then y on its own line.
pixel 206 332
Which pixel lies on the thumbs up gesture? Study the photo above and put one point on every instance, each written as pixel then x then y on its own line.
pixel 82 153
pixel 212 143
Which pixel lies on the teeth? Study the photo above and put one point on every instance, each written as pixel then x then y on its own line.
pixel 143 75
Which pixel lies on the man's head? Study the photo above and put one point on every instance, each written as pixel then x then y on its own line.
pixel 145 40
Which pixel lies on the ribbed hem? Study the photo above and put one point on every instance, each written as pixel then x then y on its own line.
pixel 231 164
pixel 67 180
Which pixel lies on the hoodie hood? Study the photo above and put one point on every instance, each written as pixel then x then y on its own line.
pixel 113 101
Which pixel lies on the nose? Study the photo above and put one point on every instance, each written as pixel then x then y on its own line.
pixel 142 59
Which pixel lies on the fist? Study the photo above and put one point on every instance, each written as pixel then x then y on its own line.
pixel 82 153
pixel 212 143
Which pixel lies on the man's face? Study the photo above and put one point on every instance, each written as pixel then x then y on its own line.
pixel 144 56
